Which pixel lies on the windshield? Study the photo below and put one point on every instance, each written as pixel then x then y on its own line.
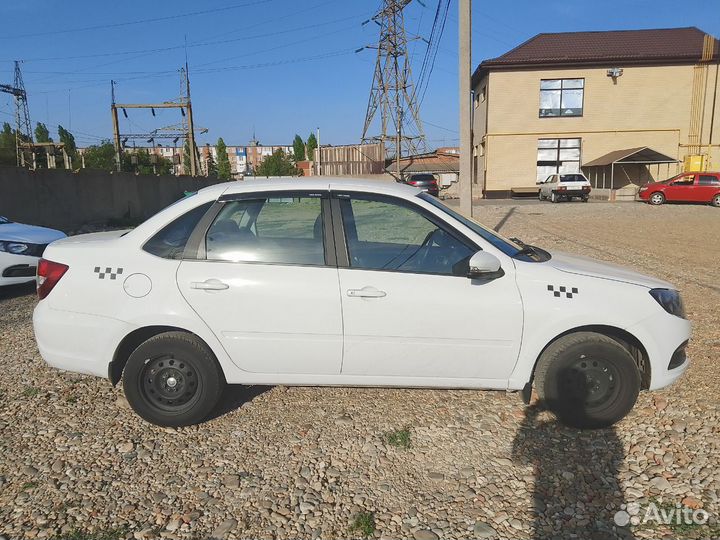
pixel 4 220
pixel 572 178
pixel 503 244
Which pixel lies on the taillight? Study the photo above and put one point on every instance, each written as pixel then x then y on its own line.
pixel 412 182
pixel 586 189
pixel 562 188
pixel 48 274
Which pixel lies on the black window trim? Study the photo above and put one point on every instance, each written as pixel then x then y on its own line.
pixel 176 218
pixel 341 241
pixel 582 106
pixel 195 248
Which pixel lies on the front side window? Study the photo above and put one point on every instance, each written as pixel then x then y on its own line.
pixel 169 242
pixel 386 234
pixel 687 180
pixel 561 97
pixel 277 230
pixel 557 156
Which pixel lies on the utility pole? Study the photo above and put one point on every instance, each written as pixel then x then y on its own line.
pixel 393 91
pixel 116 127
pixel 319 153
pixel 465 177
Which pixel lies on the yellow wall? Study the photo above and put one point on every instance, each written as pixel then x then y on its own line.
pixel 649 106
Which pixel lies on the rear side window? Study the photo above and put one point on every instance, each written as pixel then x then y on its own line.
pixel 170 242
pixel 283 230
pixel 709 180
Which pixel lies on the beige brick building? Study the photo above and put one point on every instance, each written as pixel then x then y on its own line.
pixel 631 104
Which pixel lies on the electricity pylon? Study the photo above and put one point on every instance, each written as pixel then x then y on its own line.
pixel 23 130
pixel 393 91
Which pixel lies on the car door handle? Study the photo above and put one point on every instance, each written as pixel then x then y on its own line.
pixel 366 292
pixel 209 285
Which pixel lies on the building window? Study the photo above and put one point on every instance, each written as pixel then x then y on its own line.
pixel 561 97
pixel 557 156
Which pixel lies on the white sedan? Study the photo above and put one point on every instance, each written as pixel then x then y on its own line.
pixel 21 247
pixel 323 281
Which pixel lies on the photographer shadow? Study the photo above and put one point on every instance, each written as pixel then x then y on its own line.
pixel 577 491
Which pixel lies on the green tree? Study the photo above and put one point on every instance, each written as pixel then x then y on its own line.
pixel 42 134
pixel 68 139
pixel 299 148
pixel 7 145
pixel 210 164
pixel 278 164
pixel 224 171
pixel 100 156
pixel 310 146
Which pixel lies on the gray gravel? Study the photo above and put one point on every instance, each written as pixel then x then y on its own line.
pixel 309 462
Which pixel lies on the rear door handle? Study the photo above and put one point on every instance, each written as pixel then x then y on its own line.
pixel 209 285
pixel 366 292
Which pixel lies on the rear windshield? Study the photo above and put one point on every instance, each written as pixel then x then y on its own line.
pixel 572 178
pixel 422 177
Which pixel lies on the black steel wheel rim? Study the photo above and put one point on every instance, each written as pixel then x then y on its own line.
pixel 169 384
pixel 591 381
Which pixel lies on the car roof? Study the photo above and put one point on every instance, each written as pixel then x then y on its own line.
pixel 320 183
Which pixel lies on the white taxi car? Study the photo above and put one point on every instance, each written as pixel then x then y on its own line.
pixel 322 282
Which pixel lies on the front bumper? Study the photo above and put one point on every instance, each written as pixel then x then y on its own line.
pixel 77 342
pixel 663 335
pixel 16 269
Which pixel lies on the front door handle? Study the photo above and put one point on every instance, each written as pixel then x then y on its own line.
pixel 366 292
pixel 209 285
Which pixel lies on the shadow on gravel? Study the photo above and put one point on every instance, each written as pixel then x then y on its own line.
pixel 8 292
pixel 234 396
pixel 577 492
pixel 502 222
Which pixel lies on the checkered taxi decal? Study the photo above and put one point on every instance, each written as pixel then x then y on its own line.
pixel 562 291
pixel 110 272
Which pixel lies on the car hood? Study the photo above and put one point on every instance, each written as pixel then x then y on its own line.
pixel 585 266
pixel 92 237
pixel 19 232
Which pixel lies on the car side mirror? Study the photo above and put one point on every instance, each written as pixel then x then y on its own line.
pixel 484 265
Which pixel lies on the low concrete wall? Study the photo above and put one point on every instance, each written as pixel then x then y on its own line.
pixel 71 201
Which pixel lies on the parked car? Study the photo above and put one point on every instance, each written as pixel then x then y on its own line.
pixel 686 187
pixel 21 246
pixel 563 187
pixel 323 282
pixel 425 181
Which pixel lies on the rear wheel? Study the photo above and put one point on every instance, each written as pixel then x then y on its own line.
pixel 585 198
pixel 657 198
pixel 587 379
pixel 554 197
pixel 716 201
pixel 173 379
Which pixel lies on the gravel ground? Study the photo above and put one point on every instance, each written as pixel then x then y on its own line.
pixel 75 462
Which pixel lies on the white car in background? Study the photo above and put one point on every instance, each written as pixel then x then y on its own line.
pixel 21 247
pixel 563 187
pixel 322 281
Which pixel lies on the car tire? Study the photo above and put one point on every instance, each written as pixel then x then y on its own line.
pixel 656 198
pixel 716 201
pixel 173 379
pixel 585 199
pixel 587 379
pixel 540 196
pixel 554 197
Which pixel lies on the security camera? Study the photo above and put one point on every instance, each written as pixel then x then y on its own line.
pixel 614 72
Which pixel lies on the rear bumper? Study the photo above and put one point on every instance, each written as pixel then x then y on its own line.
pixel 77 342
pixel 573 193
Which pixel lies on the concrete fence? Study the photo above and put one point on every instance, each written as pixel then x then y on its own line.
pixel 71 201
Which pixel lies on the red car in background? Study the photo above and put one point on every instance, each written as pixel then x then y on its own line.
pixel 701 187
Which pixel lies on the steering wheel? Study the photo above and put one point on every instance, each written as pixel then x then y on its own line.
pixel 424 249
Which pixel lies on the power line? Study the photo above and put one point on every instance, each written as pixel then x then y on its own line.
pixel 140 21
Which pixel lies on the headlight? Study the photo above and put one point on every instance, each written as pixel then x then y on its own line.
pixel 17 248
pixel 670 300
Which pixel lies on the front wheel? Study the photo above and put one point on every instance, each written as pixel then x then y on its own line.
pixel 173 379
pixel 588 380
pixel 540 196
pixel 716 201
pixel 657 198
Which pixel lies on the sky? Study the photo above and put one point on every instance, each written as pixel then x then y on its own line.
pixel 270 67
